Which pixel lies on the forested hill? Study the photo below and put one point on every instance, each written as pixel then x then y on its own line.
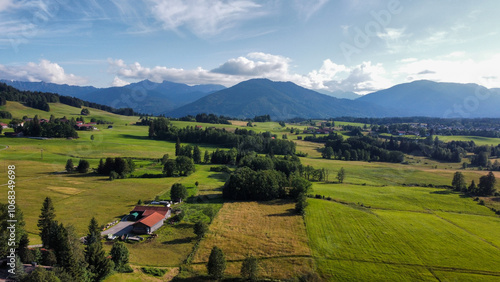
pixel 281 100
pixel 40 100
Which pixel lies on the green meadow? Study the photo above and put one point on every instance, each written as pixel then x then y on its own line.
pixel 386 222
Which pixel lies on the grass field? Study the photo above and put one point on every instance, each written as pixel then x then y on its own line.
pixel 270 231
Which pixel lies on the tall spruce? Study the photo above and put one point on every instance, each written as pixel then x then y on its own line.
pixel 46 222
pixel 95 256
pixel 196 155
pixel 177 146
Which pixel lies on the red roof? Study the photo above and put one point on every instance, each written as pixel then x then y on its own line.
pixel 148 210
pixel 151 219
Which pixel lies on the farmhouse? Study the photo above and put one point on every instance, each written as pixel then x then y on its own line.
pixel 150 218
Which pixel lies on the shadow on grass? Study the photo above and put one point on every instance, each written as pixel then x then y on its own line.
pixel 219 176
pixel 137 137
pixel 178 241
pixel 442 192
pixel 289 212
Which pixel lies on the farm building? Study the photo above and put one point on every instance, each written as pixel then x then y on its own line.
pixel 151 218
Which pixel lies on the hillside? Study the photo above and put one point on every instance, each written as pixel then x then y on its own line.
pixel 144 96
pixel 434 99
pixel 281 100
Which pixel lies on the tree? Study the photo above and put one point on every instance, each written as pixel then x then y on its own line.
pixel 95 256
pixel 250 268
pixel 486 186
pixel 301 204
pixel 200 228
pixel 70 167
pixel 178 192
pixel 206 158
pixel 164 159
pixel 46 221
pixel 23 251
pixel 327 153
pixel 177 146
pixel 216 263
pixel 341 175
pixel 83 166
pixel 169 167
pixel 196 155
pixel 85 112
pixel 92 137
pixel 458 182
pixel 40 274
pixel 119 255
pixel 184 165
pixel 472 189
pixel 100 167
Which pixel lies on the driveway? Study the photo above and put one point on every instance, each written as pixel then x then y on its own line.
pixel 123 227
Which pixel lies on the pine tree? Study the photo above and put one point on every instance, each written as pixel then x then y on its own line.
pixel 177 146
pixel 46 222
pixel 196 155
pixel 95 256
pixel 200 228
pixel 70 167
pixel 216 263
pixel 206 158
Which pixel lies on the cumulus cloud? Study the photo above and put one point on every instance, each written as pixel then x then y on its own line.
pixel 362 78
pixel 204 18
pixel 458 70
pixel 255 64
pixel 117 82
pixel 44 71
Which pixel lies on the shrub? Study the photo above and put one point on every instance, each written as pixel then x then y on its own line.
pixel 154 271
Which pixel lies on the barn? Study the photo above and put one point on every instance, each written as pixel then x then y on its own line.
pixel 151 218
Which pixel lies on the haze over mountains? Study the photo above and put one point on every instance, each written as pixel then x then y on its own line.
pixel 283 100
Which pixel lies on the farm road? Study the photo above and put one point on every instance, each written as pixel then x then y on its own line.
pixel 123 227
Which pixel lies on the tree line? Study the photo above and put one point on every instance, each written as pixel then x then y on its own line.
pixel 242 139
pixel 357 148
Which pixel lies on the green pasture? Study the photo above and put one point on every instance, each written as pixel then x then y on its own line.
pixel 477 139
pixel 352 243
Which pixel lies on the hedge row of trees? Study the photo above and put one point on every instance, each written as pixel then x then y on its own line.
pixel 243 140
pixel 486 186
pixel 116 168
pixel 357 148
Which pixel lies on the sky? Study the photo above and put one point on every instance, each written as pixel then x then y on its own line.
pixel 336 45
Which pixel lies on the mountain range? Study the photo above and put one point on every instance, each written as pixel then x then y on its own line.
pixel 283 100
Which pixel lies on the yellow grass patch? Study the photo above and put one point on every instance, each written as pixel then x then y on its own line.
pixel 238 122
pixel 270 231
pixel 64 190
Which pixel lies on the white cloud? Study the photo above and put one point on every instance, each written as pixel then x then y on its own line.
pixel 5 4
pixel 454 69
pixel 363 78
pixel 117 82
pixel 307 8
pixel 44 71
pixel 204 18
pixel 255 64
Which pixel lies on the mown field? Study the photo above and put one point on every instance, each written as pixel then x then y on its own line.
pixel 381 224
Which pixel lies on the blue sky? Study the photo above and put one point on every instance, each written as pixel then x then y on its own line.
pixel 348 45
